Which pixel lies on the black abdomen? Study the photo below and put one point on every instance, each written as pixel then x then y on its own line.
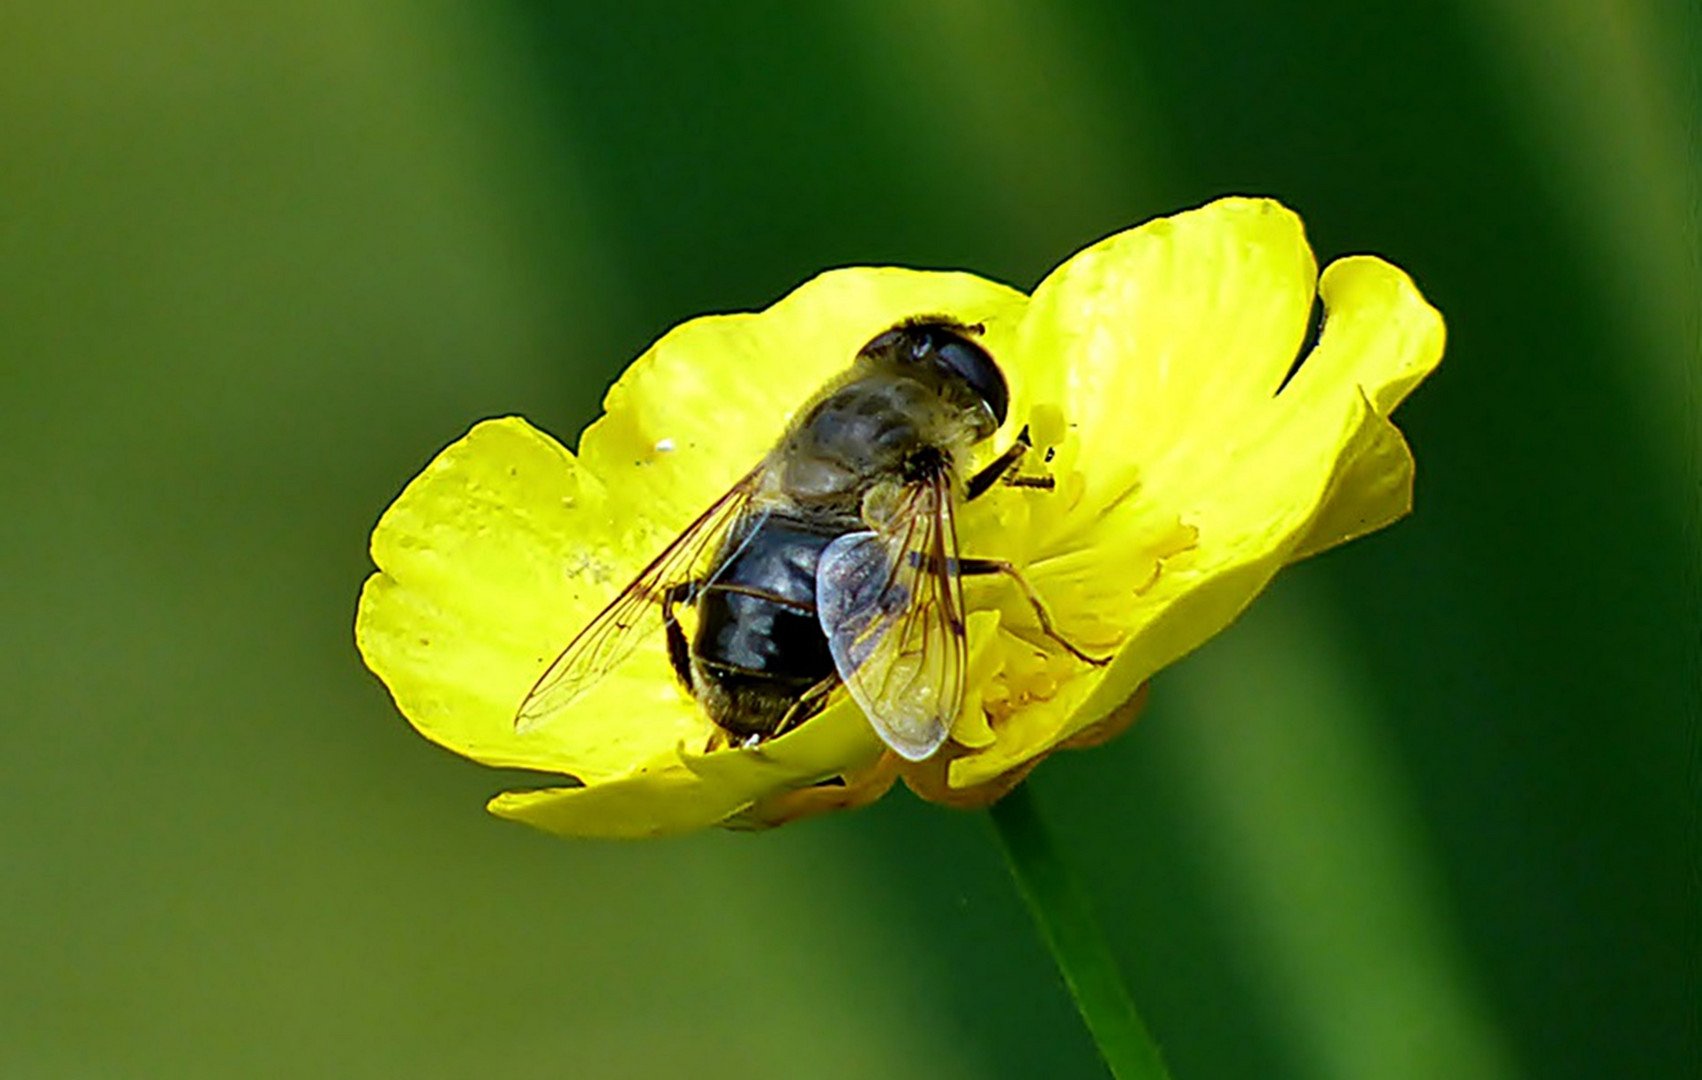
pixel 757 641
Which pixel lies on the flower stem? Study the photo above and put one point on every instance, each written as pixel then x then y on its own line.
pixel 1078 946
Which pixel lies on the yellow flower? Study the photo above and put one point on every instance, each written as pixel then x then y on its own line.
pixel 1156 372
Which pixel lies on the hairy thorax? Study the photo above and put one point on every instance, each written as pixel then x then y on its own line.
pixel 865 432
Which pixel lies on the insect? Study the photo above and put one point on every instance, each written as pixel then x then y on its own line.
pixel 833 562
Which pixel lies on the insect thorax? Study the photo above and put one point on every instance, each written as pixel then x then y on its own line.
pixel 876 428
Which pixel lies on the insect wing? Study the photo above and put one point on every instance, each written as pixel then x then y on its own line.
pixel 891 606
pixel 635 614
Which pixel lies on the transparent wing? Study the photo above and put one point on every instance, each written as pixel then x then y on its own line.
pixel 892 608
pixel 636 613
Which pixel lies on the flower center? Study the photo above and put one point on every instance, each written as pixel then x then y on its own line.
pixel 1088 554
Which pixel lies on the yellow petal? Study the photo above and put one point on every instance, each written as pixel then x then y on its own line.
pixel 1185 320
pixel 694 791
pixel 1318 459
pixel 657 802
pixel 489 562
pixel 1384 337
pixel 835 740
pixel 1380 335
pixel 971 728
pixel 1241 546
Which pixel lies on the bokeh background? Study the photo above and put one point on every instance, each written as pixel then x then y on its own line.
pixel 1429 810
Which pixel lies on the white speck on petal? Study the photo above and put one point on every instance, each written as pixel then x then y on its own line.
pixel 664 445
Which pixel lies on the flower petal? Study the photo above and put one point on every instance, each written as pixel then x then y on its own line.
pixel 1383 336
pixel 1250 528
pixel 1380 335
pixel 489 562
pixel 1183 323
pixel 655 802
pixel 835 740
pixel 1310 466
pixel 693 791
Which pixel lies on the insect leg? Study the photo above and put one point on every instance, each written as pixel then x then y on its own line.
pixel 1003 468
pixel 679 650
pixel 807 705
pixel 967 567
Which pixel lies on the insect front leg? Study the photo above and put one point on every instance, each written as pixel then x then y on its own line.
pixel 679 649
pixel 1003 469
pixel 966 567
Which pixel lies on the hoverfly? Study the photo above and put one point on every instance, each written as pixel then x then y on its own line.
pixel 834 561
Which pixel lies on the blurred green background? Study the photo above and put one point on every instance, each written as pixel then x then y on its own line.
pixel 1430 810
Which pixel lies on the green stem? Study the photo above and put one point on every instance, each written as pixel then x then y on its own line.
pixel 1078 946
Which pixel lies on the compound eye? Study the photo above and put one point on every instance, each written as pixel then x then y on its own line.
pixel 970 362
